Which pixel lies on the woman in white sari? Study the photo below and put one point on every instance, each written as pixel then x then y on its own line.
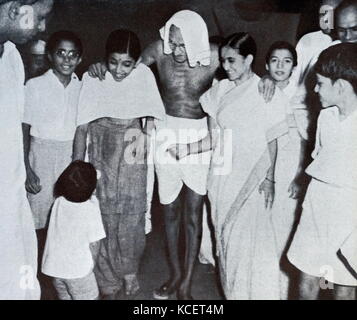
pixel 241 183
pixel 241 199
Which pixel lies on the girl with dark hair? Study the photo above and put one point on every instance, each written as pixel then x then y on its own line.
pixel 110 119
pixel 74 232
pixel 281 61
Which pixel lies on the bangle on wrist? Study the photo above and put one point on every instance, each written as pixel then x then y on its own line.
pixel 272 181
pixel 200 146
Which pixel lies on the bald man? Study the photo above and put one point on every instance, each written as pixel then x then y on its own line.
pixel 20 22
pixel 346 20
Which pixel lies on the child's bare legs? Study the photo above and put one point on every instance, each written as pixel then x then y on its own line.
pixel 344 292
pixel 309 287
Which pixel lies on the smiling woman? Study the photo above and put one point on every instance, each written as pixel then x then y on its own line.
pixel 122 52
pixel 110 114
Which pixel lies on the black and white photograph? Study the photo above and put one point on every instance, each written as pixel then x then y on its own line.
pixel 178 150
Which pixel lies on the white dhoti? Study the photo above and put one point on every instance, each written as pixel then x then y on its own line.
pixel 192 170
pixel 328 218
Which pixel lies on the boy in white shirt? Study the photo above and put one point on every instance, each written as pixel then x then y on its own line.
pixel 73 235
pixel 50 122
pixel 330 207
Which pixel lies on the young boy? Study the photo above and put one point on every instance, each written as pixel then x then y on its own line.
pixel 330 206
pixel 73 235
pixel 50 122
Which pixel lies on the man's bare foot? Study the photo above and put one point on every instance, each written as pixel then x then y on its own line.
pixel 167 289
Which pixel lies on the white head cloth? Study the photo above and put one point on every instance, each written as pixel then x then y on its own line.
pixel 194 33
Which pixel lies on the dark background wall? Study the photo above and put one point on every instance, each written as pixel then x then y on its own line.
pixel 93 20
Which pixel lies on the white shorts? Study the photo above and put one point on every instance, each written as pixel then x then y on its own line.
pixel 328 218
pixel 192 170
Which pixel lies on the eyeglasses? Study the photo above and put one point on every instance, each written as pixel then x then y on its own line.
pixel 72 55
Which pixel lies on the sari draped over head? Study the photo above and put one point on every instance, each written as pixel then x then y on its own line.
pixel 241 223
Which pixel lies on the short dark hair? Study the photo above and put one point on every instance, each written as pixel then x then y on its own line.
pixel 123 41
pixel 339 62
pixel 77 182
pixel 282 45
pixel 243 42
pixel 62 35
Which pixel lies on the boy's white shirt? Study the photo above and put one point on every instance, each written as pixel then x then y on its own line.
pixel 50 108
pixel 73 226
pixel 335 149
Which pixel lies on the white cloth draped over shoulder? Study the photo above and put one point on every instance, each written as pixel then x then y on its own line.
pixel 18 244
pixel 134 97
pixel 195 36
pixel 244 231
pixel 308 50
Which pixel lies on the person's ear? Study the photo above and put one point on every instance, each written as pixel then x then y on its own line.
pixel 79 61
pixel 266 67
pixel 49 57
pixel 343 86
pixel 14 10
pixel 249 60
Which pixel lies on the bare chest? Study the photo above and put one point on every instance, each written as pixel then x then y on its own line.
pixel 180 77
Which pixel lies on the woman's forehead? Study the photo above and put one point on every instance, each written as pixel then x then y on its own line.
pixel 229 52
pixel 120 56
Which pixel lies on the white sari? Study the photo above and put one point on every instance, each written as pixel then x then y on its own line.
pixel 246 244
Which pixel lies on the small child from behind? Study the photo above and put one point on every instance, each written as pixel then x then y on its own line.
pixel 74 232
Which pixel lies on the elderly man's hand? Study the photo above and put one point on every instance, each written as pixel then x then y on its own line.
pixel 98 70
pixel 266 88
